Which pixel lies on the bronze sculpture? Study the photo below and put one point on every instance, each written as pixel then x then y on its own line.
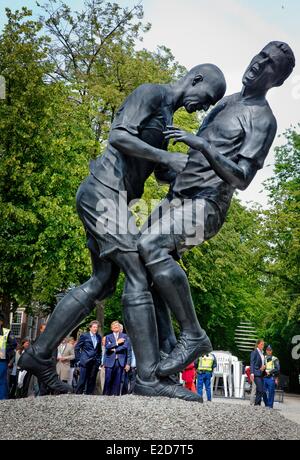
pixel 230 147
pixel 134 151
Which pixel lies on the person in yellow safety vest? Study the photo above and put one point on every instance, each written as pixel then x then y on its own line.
pixel 206 365
pixel 8 344
pixel 272 370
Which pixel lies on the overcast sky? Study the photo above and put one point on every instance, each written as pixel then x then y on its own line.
pixel 227 33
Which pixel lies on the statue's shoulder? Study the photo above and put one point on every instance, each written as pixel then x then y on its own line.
pixel 150 88
pixel 149 91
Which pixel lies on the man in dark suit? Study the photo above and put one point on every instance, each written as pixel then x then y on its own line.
pixel 116 358
pixel 88 353
pixel 258 370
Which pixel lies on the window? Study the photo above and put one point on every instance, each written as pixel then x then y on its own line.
pixel 16 324
pixel 32 327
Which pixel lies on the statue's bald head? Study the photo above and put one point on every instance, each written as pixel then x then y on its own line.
pixel 211 74
pixel 204 85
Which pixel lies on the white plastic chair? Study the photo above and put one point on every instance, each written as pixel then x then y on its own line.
pixel 237 367
pixel 223 369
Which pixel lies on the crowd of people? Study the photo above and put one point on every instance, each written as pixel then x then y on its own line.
pixel 90 365
pixel 262 374
pixel 107 365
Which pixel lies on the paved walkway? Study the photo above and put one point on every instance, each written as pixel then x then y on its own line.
pixel 290 408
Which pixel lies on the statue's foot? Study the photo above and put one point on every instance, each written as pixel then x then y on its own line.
pixel 185 352
pixel 165 388
pixel 44 370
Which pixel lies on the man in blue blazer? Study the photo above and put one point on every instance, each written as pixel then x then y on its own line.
pixel 116 357
pixel 88 353
pixel 258 370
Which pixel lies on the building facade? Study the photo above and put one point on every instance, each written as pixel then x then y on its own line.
pixel 24 326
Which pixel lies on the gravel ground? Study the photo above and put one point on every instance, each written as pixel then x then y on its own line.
pixel 138 418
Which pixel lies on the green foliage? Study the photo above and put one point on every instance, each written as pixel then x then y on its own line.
pixel 45 146
pixel 113 306
pixel 93 51
pixel 280 254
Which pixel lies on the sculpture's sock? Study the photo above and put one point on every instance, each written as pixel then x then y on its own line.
pixel 140 323
pixel 68 314
pixel 172 284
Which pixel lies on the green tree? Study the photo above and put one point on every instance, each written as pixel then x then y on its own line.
pixel 280 254
pixel 44 148
pixel 93 51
